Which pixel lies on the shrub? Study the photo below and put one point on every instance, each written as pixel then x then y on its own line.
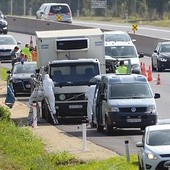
pixel 4 113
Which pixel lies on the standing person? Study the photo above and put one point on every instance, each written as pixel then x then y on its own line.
pixel 122 69
pixel 48 86
pixel 26 51
pixel 14 56
pixel 90 96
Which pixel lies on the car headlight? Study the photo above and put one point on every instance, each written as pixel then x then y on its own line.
pixel 113 109
pixel 151 156
pixel 151 109
pixel 162 59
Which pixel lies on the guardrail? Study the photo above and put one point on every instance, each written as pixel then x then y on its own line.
pixel 30 25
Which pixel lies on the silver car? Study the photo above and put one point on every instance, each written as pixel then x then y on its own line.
pixel 7 44
pixel 155 147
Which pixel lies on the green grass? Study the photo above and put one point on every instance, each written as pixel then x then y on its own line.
pixel 3 73
pixel 20 149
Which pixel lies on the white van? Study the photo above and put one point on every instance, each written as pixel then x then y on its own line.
pixel 124 101
pixel 124 50
pixel 57 12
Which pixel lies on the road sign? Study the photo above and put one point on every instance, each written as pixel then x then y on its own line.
pixel 134 27
pixel 59 18
pixel 98 3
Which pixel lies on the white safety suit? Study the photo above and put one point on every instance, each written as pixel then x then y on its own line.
pixel 90 96
pixel 48 86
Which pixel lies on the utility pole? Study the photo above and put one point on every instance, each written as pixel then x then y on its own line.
pixel 11 7
pixel 24 7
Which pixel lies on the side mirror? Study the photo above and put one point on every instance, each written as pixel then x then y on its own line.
pixel 8 72
pixel 139 144
pixel 141 55
pixel 19 42
pixel 157 95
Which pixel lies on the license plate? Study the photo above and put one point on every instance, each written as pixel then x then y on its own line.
pixel 134 120
pixel 75 106
pixel 28 86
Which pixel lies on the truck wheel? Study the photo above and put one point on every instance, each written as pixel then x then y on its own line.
pixel 109 128
pixel 99 127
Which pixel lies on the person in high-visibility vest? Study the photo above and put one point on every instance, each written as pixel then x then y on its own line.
pixel 34 54
pixel 26 51
pixel 122 69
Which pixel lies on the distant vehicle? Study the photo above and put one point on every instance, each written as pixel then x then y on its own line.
pixel 154 148
pixel 20 77
pixel 160 58
pixel 124 50
pixel 57 12
pixel 117 36
pixel 3 24
pixel 124 101
pixel 7 44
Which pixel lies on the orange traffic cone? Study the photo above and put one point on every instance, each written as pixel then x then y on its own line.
pixel 150 77
pixel 144 70
pixel 158 80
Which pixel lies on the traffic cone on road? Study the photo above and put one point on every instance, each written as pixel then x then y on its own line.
pixel 158 80
pixel 150 77
pixel 144 70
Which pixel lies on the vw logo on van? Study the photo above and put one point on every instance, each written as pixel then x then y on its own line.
pixel 133 109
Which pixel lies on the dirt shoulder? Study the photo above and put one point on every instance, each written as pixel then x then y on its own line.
pixel 56 140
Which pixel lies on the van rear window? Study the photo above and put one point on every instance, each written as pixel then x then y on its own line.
pixel 59 9
pixel 130 91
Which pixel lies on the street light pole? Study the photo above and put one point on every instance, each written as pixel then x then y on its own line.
pixel 11 6
pixel 24 7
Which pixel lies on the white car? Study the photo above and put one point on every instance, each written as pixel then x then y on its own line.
pixel 40 10
pixel 154 148
pixel 7 44
pixel 57 12
pixel 117 36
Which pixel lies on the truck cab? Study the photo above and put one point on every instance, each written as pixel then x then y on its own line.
pixel 124 101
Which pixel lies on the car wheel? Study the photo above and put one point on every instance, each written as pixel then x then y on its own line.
pixel 153 68
pixel 5 32
pixel 109 128
pixel 159 68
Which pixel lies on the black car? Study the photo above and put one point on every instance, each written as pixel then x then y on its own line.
pixel 3 24
pixel 161 56
pixel 20 77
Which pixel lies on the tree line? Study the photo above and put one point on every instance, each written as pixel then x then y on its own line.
pixel 146 9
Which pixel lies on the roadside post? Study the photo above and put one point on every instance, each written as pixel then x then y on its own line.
pixel 84 121
pixel 127 150
pixel 0 71
pixel 34 123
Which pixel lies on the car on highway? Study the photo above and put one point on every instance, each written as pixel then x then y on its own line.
pixel 124 50
pixel 57 12
pixel 7 44
pixel 124 101
pixel 40 10
pixel 154 148
pixel 117 36
pixel 3 24
pixel 20 77
pixel 160 58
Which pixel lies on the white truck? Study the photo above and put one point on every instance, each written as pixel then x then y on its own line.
pixel 71 58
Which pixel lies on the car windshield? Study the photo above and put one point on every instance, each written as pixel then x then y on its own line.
pixel 129 91
pixel 24 68
pixel 7 41
pixel 158 137
pixel 117 37
pixel 59 9
pixel 121 51
pixel 165 48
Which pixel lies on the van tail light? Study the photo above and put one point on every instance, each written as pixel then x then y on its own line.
pixel 68 13
pixel 50 14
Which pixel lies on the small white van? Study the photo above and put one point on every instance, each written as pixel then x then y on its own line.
pixel 124 101
pixel 57 12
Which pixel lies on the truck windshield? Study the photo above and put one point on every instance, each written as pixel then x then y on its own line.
pixel 73 73
pixel 129 91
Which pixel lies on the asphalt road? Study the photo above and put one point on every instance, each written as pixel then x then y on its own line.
pixel 116 141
